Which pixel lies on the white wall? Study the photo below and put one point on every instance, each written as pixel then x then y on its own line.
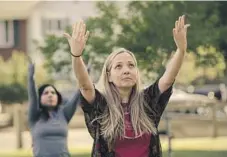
pixel 55 9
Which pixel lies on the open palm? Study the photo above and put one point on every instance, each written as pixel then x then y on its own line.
pixel 180 33
pixel 78 39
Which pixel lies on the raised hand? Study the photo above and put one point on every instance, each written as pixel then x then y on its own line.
pixel 78 39
pixel 180 34
pixel 31 67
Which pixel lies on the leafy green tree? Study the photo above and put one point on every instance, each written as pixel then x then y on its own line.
pixel 57 54
pixel 145 28
pixel 190 71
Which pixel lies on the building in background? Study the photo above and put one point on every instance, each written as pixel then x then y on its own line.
pixel 24 23
pixel 52 17
pixel 14 26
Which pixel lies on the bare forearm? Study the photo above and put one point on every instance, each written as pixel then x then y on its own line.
pixel 173 67
pixel 81 73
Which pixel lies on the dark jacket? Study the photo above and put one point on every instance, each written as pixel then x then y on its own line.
pixel 156 101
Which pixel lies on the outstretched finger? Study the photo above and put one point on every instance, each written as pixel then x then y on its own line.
pixel 67 36
pixel 86 36
pixel 174 32
pixel 176 25
pixel 78 35
pixel 74 30
pixel 183 21
pixel 83 31
pixel 186 27
pixel 179 22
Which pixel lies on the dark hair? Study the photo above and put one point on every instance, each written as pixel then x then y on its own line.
pixel 44 109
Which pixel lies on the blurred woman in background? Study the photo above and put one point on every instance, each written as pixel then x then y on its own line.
pixel 48 118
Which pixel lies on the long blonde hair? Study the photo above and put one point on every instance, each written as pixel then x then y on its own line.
pixel 112 120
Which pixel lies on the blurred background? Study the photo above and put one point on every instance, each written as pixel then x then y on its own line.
pixel 195 121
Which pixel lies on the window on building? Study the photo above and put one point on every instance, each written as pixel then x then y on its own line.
pixel 54 25
pixel 6 34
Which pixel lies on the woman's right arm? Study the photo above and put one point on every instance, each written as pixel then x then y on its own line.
pixel 77 43
pixel 83 79
pixel 33 111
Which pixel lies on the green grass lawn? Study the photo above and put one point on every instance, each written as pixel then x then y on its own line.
pixel 192 147
pixel 177 153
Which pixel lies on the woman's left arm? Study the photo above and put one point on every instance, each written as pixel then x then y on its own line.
pixel 70 106
pixel 174 65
